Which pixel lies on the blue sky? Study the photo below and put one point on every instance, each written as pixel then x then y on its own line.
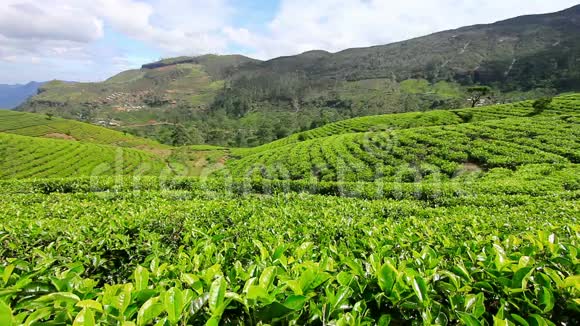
pixel 90 40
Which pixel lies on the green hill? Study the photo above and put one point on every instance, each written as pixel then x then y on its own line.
pixel 136 96
pixel 31 157
pixel 241 102
pixel 39 125
pixel 189 160
pixel 564 104
pixel 444 217
pixel 512 52
pixel 360 149
pixel 404 147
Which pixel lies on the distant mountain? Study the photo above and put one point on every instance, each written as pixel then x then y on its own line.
pixel 238 101
pixel 518 53
pixel 12 96
pixel 190 81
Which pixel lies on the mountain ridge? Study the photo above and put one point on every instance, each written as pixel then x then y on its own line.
pixel 239 101
pixel 12 95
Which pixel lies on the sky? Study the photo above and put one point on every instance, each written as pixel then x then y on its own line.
pixel 91 40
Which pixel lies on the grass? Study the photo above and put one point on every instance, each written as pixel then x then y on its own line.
pixel 415 86
pixel 127 76
pixel 197 160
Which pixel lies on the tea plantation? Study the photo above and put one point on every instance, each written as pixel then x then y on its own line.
pixel 461 217
pixel 39 125
pixel 25 157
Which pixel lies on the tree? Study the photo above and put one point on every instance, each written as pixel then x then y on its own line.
pixel 541 104
pixel 477 92
pixel 49 115
pixel 179 136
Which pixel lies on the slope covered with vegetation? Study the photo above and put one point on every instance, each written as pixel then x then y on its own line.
pixel 237 101
pixel 31 157
pixel 369 142
pixel 495 246
pixel 39 125
pixel 459 217
pixel 424 152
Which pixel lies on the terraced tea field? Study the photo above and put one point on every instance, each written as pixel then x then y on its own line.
pixel 39 125
pixel 562 105
pixel 405 155
pixel 462 217
pixel 26 157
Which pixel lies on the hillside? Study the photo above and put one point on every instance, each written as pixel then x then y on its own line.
pixel 39 125
pixel 134 94
pixel 237 101
pixel 32 157
pixel 12 96
pixel 560 105
pixel 443 217
pixel 516 52
pixel 437 144
pixel 183 161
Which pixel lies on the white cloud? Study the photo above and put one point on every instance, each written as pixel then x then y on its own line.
pixel 59 21
pixel 59 31
pixel 333 25
pixel 174 26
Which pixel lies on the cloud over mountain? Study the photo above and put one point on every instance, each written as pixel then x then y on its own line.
pixel 67 33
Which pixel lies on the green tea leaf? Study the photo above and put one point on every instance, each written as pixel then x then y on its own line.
pixel 38 315
pixel 420 288
pixel 387 277
pixel 267 277
pixel 141 278
pixel 501 259
pixel 520 320
pixel 500 322
pixel 341 298
pixel 217 294
pixel 85 317
pixel 61 297
pixel 7 273
pixel 295 302
pixel 521 277
pixel 571 281
pixel 5 314
pixel 385 320
pixel 257 292
pixel 173 303
pixel 123 300
pixel 94 305
pixel 474 304
pixel 546 299
pixel 213 321
pixel 537 320
pixel 148 311
pixel 273 311
pixel 468 319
